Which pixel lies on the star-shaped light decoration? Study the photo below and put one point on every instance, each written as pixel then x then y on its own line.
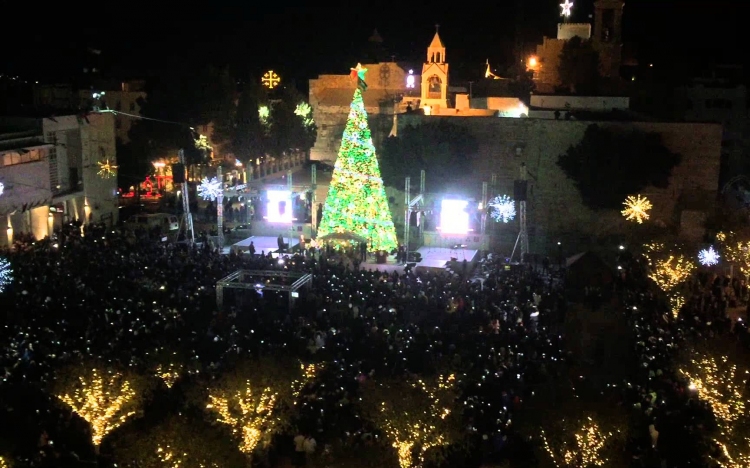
pixel 503 208
pixel 636 208
pixel 566 8
pixel 106 169
pixel 210 189
pixel 708 257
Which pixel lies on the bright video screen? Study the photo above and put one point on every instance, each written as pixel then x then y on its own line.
pixel 279 206
pixel 454 219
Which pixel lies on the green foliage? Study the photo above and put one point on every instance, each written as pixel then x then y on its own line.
pixel 607 166
pixel 245 134
pixel 240 130
pixel 288 130
pixel 441 148
pixel 188 98
pixel 578 70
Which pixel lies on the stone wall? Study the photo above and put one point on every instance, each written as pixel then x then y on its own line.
pixel 555 208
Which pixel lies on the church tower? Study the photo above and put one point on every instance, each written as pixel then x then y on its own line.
pixel 435 78
pixel 608 36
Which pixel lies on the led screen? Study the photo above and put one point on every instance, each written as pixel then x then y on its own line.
pixel 279 206
pixel 453 217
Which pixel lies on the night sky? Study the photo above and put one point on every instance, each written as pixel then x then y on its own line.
pixel 300 42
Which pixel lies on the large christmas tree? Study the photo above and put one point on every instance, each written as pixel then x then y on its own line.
pixel 356 200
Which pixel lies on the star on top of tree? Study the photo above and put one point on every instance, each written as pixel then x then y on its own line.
pixel 359 72
pixel 566 8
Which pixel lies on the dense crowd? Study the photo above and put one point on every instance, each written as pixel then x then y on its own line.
pixel 124 297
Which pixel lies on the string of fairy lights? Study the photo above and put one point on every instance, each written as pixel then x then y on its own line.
pixel 251 411
pixel 104 400
pixel 724 386
pixel 584 449
pixel 422 427
pixel 169 373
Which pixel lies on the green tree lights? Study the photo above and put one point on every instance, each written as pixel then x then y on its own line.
pixel 356 200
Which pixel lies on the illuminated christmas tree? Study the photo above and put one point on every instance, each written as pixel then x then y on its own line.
pixel 356 200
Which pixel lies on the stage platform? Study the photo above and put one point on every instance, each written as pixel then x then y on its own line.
pixel 263 244
pixel 437 258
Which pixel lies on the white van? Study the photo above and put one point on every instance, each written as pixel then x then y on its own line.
pixel 167 222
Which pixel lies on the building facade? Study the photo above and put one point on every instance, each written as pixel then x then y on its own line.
pixel 125 98
pixel 720 97
pixel 606 39
pixel 51 170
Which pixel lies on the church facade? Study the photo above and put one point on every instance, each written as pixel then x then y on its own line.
pixel 392 89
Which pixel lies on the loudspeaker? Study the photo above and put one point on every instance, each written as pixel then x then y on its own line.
pixel 520 187
pixel 178 173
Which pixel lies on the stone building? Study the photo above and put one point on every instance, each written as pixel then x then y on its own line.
pixel 50 171
pixel 394 89
pixel 331 95
pixel 124 97
pixel 720 96
pixel 606 40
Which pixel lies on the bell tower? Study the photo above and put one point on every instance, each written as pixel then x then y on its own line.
pixel 435 77
pixel 608 36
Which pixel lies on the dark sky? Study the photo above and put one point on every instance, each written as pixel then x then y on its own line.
pixel 300 41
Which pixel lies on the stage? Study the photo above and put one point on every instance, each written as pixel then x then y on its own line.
pixel 437 258
pixel 263 244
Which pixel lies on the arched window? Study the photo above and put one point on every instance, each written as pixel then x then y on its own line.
pixel 434 87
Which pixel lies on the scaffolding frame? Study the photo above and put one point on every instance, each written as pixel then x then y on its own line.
pixel 251 279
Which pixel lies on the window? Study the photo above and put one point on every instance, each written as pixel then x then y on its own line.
pixel 434 88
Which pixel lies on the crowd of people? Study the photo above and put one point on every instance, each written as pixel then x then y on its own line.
pixel 125 298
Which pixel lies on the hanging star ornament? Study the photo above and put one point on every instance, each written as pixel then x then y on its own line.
pixel 503 208
pixel 708 257
pixel 636 209
pixel 566 8
pixel 106 169
pixel 210 189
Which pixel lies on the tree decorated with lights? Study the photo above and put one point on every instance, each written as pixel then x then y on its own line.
pixel 736 250
pixel 105 398
pixel 415 415
pixel 669 270
pixel 356 201
pixel 581 444
pixel 178 442
pixel 257 400
pixel 720 382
